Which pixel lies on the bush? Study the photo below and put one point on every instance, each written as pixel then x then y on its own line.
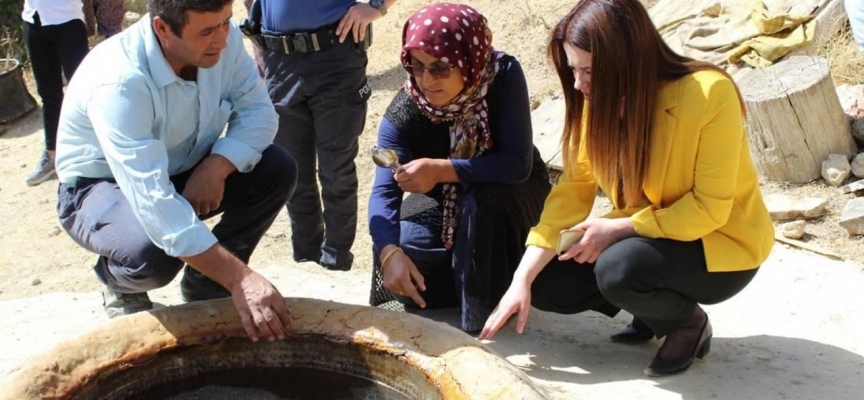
pixel 138 6
pixel 11 30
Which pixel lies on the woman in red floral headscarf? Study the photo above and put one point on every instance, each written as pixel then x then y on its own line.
pixel 461 126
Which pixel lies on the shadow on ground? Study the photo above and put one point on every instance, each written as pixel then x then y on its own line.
pixel 574 351
pixel 26 125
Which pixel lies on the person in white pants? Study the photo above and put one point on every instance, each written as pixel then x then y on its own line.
pixel 855 11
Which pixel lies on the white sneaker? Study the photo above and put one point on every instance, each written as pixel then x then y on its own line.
pixel 118 304
pixel 43 171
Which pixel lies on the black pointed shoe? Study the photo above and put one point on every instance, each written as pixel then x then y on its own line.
pixel 662 367
pixel 634 333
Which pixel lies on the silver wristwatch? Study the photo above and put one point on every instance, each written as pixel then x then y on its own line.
pixel 379 5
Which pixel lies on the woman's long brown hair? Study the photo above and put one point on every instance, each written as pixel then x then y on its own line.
pixel 629 65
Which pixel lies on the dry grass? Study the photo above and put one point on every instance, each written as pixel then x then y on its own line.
pixel 8 43
pixel 845 57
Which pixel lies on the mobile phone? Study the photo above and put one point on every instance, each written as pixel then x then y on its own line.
pixel 568 238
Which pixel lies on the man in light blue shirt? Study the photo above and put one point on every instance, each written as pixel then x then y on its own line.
pixel 141 162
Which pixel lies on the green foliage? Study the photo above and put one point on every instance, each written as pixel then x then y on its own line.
pixel 11 30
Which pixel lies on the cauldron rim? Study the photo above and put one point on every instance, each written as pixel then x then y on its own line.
pixel 447 357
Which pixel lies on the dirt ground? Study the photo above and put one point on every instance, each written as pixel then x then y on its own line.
pixel 36 257
pixel 775 341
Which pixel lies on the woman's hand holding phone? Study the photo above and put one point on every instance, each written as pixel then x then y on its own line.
pixel 567 238
pixel 595 236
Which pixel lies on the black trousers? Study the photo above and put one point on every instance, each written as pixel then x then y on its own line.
pixel 99 218
pixel 321 101
pixel 659 281
pixel 54 50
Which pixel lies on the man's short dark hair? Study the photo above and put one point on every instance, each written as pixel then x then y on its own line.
pixel 173 12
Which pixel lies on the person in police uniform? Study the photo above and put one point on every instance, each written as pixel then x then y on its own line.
pixel 314 61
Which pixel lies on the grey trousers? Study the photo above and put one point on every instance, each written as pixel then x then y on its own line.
pixel 98 217
pixel 321 101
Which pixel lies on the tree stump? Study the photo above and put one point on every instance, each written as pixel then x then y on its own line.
pixel 794 119
pixel 15 100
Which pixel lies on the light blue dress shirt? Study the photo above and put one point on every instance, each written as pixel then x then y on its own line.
pixel 127 115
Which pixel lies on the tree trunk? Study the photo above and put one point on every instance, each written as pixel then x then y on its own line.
pixel 794 119
pixel 15 100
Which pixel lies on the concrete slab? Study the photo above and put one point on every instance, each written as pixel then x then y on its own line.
pixel 794 333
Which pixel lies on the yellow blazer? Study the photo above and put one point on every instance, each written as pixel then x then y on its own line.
pixel 701 182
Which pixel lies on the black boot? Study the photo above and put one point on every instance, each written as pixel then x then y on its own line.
pixel 636 332
pixel 690 340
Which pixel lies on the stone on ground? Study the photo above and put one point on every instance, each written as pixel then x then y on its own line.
pixel 858 165
pixel 852 218
pixel 835 169
pixel 784 207
pixel 793 230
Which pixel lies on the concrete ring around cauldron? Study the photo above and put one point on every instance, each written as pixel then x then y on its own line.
pixel 421 358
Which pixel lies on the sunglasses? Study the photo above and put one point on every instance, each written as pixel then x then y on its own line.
pixel 438 70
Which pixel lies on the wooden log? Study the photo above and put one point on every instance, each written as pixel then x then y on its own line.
pixel 794 119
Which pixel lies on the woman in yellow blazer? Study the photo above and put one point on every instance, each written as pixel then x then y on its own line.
pixel 662 135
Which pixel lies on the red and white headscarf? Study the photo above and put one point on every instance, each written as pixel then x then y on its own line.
pixel 456 35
